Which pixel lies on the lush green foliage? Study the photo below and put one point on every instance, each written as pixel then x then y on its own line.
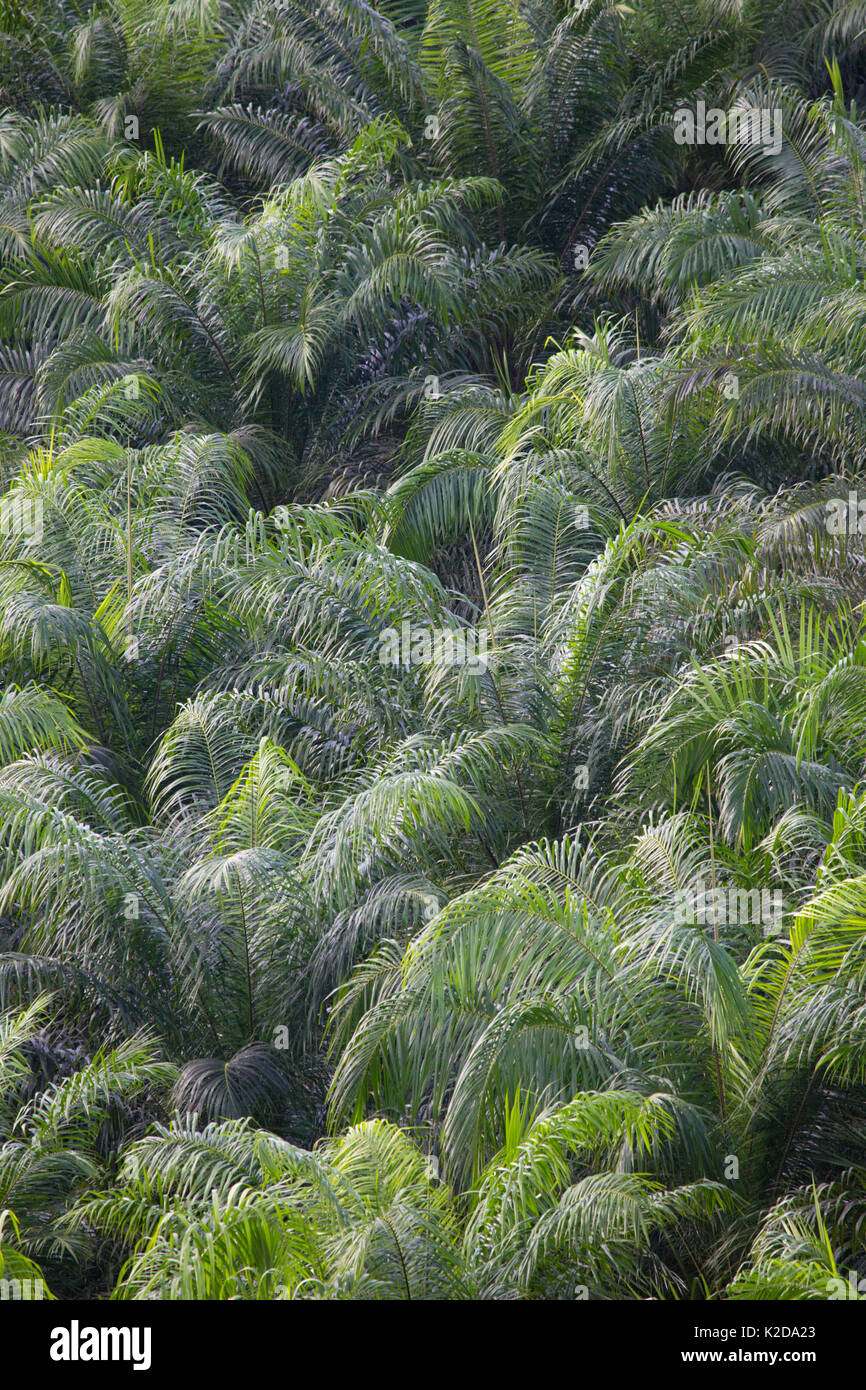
pixel 326 330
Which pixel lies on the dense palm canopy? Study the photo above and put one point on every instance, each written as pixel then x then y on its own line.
pixel 325 328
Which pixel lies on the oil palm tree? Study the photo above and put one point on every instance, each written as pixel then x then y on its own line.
pixel 57 1138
